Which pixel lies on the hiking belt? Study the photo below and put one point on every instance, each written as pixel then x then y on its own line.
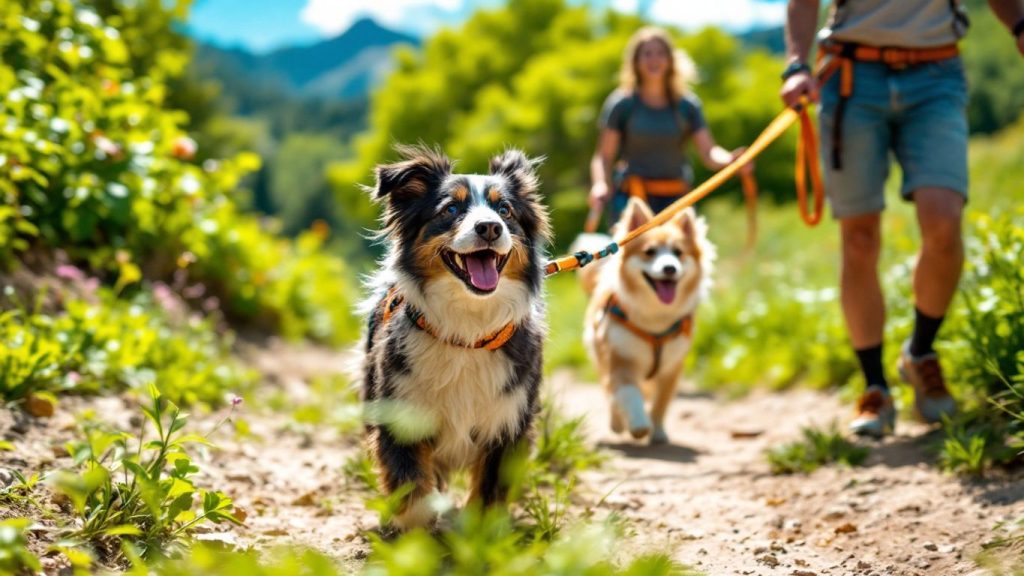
pixel 833 56
pixel 657 340
pixel 642 188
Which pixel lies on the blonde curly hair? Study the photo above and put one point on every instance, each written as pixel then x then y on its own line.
pixel 682 72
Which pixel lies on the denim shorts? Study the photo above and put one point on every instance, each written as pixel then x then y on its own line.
pixel 919 113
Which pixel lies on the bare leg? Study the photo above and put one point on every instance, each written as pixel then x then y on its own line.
pixel 939 214
pixel 863 304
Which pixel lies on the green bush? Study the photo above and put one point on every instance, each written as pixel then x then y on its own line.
pixel 95 163
pixel 986 347
pixel 139 489
pixel 112 344
pixel 816 449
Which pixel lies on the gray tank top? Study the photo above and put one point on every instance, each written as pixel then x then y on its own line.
pixel 902 23
pixel 654 140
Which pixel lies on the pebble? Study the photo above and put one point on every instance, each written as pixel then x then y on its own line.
pixel 931 547
pixel 769 560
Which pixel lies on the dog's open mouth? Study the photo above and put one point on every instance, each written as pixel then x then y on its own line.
pixel 479 270
pixel 665 289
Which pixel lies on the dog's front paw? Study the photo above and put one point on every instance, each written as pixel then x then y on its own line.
pixel 630 403
pixel 418 513
pixel 658 435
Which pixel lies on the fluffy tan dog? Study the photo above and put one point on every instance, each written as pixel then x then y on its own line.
pixel 640 317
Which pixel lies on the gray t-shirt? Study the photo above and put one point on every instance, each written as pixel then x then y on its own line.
pixel 653 139
pixel 902 23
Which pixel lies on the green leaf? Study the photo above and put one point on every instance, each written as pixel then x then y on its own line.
pixel 123 530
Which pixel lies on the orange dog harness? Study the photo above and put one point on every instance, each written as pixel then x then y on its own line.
pixel 394 301
pixel 657 340
pixel 841 55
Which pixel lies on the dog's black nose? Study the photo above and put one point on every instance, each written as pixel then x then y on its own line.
pixel 489 231
pixel 670 270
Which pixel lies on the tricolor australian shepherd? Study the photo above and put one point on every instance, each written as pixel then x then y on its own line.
pixel 453 358
pixel 641 313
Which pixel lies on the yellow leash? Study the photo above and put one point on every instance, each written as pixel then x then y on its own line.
pixel 806 161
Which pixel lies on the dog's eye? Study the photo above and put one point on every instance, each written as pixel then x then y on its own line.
pixel 505 210
pixel 677 252
pixel 651 252
pixel 451 210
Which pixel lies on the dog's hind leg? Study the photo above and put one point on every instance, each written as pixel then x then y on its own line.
pixel 406 466
pixel 664 390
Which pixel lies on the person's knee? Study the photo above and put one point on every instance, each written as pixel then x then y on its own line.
pixel 943 236
pixel 861 245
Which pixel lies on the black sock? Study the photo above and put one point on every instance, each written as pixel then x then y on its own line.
pixel 871 365
pixel 925 329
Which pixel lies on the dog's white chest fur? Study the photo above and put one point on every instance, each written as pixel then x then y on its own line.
pixel 463 392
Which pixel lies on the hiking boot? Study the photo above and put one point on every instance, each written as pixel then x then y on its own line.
pixel 876 415
pixel 931 397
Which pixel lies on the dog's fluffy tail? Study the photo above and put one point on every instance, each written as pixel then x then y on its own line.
pixel 589 274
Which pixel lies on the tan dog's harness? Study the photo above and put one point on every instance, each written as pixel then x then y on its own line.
pixel 657 340
pixel 394 301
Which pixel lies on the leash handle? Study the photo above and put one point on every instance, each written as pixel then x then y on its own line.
pixel 807 162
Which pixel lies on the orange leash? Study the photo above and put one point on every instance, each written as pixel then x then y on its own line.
pixel 807 159
pixel 750 197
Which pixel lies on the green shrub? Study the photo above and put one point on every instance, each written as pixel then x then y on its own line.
pixel 112 344
pixel 816 449
pixel 986 348
pixel 139 489
pixel 15 557
pixel 95 163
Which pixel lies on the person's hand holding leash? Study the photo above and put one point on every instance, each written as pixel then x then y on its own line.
pixel 797 85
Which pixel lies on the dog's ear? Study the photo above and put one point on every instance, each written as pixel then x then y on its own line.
pixel 420 170
pixel 687 221
pixel 636 214
pixel 520 171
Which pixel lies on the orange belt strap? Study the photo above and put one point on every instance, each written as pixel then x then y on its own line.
pixel 643 187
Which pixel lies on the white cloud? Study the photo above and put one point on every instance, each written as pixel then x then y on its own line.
pixel 332 17
pixel 691 14
pixel 423 17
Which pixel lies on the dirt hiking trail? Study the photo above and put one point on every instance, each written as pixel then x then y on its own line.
pixel 707 498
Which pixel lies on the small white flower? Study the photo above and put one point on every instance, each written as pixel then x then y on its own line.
pixel 189 184
pixel 88 17
pixel 117 190
pixel 29 24
pixel 59 125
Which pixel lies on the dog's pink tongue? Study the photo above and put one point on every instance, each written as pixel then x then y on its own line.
pixel 483 270
pixel 666 290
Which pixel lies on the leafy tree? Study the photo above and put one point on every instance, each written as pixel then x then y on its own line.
pixel 298 186
pixel 487 85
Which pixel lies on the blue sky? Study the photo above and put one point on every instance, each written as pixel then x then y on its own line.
pixel 262 25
